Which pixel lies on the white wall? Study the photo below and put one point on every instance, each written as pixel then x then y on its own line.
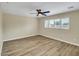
pixel 0 32
pixel 15 27
pixel 70 36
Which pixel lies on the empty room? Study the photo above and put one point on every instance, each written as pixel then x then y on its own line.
pixel 39 28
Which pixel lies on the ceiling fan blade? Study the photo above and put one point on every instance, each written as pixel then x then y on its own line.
pixel 37 14
pixel 43 14
pixel 46 12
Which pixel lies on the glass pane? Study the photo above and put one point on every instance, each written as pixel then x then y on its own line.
pixel 57 23
pixel 65 23
pixel 51 24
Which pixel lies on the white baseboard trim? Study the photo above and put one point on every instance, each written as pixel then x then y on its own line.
pixel 45 36
pixel 18 38
pixel 72 43
pixel 1 48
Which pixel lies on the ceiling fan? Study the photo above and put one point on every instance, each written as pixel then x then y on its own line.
pixel 40 12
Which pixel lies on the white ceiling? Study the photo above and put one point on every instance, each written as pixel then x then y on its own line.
pixel 25 8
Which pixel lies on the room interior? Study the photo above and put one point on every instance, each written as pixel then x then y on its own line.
pixel 24 33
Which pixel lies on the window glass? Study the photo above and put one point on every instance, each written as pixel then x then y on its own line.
pixel 57 23
pixel 65 23
pixel 51 24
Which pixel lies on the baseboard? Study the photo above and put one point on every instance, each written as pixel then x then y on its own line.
pixel 1 45
pixel 1 48
pixel 44 36
pixel 61 40
pixel 18 38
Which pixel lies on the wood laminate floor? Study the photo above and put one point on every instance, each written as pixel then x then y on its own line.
pixel 38 46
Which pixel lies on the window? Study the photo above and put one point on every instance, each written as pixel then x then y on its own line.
pixel 57 23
